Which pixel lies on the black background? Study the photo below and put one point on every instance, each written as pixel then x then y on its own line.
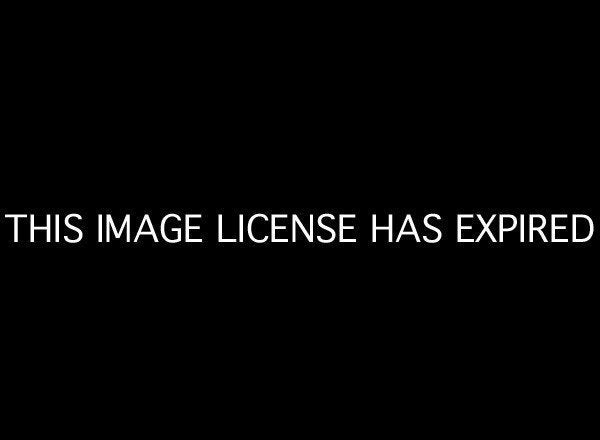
pixel 386 112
